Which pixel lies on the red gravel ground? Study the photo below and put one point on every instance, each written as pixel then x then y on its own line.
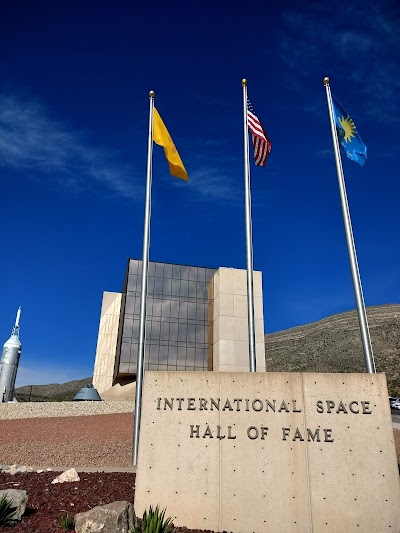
pixel 47 502
pixel 98 440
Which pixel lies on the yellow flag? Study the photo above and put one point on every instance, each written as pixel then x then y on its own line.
pixel 163 138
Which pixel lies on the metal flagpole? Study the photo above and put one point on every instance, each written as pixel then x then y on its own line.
pixel 143 297
pixel 249 236
pixel 355 273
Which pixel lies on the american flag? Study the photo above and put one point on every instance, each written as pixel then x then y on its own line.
pixel 261 142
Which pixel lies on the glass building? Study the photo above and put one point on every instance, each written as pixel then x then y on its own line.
pixel 196 320
pixel 178 326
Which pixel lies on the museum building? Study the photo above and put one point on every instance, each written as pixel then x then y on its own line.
pixel 196 321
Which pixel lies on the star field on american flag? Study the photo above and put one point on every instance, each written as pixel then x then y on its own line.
pixel 261 142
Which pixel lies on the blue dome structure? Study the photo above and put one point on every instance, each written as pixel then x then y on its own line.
pixel 87 394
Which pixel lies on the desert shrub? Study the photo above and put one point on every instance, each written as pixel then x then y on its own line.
pixel 154 521
pixel 7 511
pixel 67 522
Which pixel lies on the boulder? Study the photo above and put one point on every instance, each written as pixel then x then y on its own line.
pixel 116 517
pixel 12 470
pixel 18 499
pixel 68 475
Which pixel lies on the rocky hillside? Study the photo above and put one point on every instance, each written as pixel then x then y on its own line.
pixel 55 392
pixel 334 345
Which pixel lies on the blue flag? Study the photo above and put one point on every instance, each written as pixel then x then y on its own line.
pixel 348 135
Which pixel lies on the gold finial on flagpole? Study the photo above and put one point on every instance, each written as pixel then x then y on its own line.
pixel 326 80
pixel 244 82
pixel 151 94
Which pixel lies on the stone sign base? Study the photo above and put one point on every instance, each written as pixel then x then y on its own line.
pixel 269 452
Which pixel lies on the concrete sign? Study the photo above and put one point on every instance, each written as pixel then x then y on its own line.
pixel 276 452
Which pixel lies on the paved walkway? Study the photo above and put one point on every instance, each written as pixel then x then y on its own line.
pixel 80 469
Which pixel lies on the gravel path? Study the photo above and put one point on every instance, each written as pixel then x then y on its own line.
pixel 10 411
pixel 74 441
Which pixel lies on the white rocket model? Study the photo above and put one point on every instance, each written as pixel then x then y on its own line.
pixel 9 363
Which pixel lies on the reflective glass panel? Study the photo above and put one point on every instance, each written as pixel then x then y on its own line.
pixel 184 289
pixel 128 326
pixel 164 334
pixel 158 286
pixel 125 352
pixel 177 318
pixel 135 331
pixel 150 284
pixel 176 271
pixel 181 355
pixel 132 280
pixel 183 310
pixel 160 270
pixel 173 331
pixel 175 308
pixel 167 287
pixel 163 355
pixel 167 270
pixel 185 272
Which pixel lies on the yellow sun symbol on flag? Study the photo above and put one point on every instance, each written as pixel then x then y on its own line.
pixel 349 128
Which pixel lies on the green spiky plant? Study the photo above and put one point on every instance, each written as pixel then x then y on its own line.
pixel 67 522
pixel 154 521
pixel 7 511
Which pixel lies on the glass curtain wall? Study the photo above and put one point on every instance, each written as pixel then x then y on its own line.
pixel 177 327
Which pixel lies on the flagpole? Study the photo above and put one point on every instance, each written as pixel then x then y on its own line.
pixel 249 236
pixel 355 273
pixel 143 296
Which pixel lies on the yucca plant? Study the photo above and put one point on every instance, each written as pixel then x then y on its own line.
pixel 154 521
pixel 7 511
pixel 67 522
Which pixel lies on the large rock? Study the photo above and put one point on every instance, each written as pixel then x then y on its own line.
pixel 68 475
pixel 12 470
pixel 116 517
pixel 18 499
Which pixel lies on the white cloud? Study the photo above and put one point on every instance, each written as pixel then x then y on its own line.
pixel 362 39
pixel 210 183
pixel 31 141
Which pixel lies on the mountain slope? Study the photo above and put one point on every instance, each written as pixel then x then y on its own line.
pixel 55 392
pixel 334 345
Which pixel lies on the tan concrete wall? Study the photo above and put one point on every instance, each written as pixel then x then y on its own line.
pixel 230 321
pixel 107 341
pixel 347 482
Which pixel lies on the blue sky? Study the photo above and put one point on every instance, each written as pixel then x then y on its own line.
pixel 74 83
